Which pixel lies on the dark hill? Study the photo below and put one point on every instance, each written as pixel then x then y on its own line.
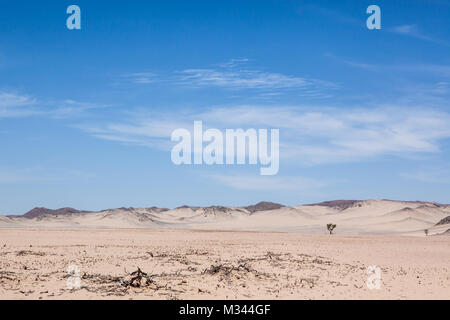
pixel 341 204
pixel 38 212
pixel 443 221
pixel 264 206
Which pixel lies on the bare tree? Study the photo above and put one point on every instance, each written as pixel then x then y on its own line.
pixel 331 227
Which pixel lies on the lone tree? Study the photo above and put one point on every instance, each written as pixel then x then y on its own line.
pixel 426 232
pixel 331 227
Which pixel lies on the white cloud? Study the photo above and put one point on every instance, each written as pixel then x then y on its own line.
pixel 356 64
pixel 413 31
pixel 8 100
pixel 70 108
pixel 235 74
pixel 19 105
pixel 434 69
pixel 141 77
pixel 16 105
pixel 231 76
pixel 405 29
pixel 308 135
pixel 241 79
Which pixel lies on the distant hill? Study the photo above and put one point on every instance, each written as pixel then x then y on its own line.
pixel 350 216
pixel 38 212
pixel 264 206
pixel 341 204
pixel 446 220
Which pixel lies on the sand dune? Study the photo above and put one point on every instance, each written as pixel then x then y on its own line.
pixel 442 227
pixel 5 220
pixel 351 217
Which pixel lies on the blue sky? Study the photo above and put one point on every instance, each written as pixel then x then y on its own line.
pixel 86 115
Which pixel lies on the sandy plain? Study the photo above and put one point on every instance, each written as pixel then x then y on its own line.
pixel 200 264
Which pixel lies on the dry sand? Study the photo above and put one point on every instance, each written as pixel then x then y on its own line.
pixel 189 264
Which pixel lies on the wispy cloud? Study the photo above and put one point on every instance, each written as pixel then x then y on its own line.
pixel 21 105
pixel 351 63
pixel 16 105
pixel 434 69
pixel 149 129
pixel 308 135
pixel 412 30
pixel 235 74
pixel 142 77
pixel 70 108
pixel 8 100
pixel 241 79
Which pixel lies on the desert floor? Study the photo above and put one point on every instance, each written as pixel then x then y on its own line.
pixel 183 264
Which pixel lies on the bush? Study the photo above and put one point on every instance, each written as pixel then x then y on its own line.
pixel 331 227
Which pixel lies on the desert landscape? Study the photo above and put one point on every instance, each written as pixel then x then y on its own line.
pixel 350 216
pixel 263 251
